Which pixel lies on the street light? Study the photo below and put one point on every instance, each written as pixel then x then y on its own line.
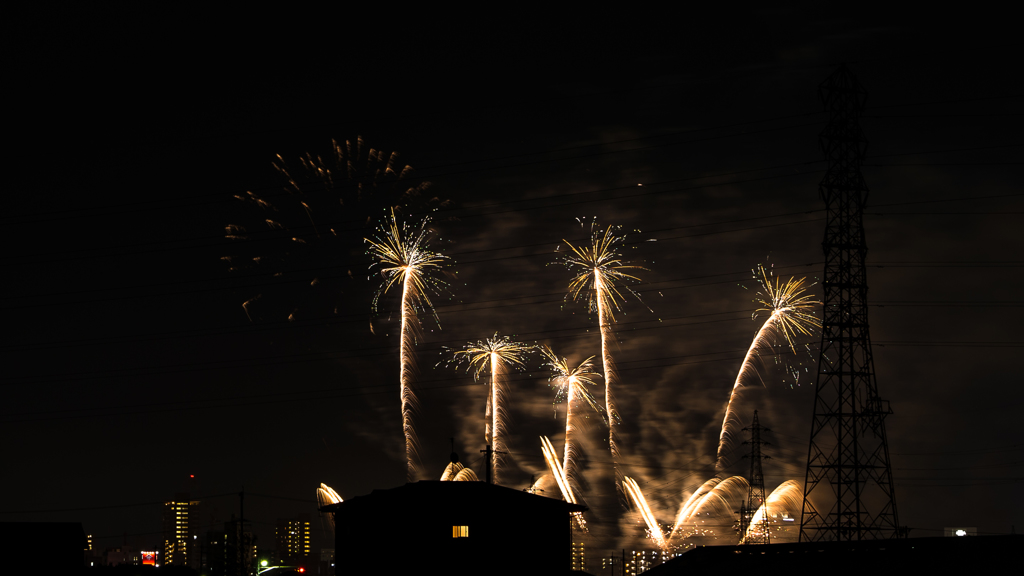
pixel 264 568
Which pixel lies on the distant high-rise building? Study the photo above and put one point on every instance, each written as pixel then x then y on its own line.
pixel 579 557
pixel 123 554
pixel 230 551
pixel 292 540
pixel 181 517
pixel 327 561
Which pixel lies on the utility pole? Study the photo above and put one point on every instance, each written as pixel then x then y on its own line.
pixel 241 531
pixel 489 453
pixel 848 470
pixel 755 493
pixel 490 460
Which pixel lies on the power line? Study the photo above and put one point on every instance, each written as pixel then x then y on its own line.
pixel 110 506
pixel 70 213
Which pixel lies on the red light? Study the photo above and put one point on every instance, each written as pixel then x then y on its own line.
pixel 191 475
pixel 302 569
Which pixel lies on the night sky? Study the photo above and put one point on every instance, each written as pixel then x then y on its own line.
pixel 131 363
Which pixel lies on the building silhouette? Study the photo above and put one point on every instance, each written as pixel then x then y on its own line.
pixel 230 551
pixel 43 547
pixel 470 527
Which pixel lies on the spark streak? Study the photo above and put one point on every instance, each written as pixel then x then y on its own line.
pixel 551 457
pixel 645 511
pixel 561 479
pixel 403 256
pixel 791 313
pixel 600 271
pixel 494 355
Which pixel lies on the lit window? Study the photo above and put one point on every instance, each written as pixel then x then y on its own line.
pixel 460 531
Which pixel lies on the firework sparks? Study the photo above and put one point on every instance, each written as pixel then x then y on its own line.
pixel 494 355
pixel 571 383
pixel 326 495
pixel 645 512
pixel 786 498
pixel 600 272
pixel 456 472
pixel 404 258
pixel 715 495
pixel 690 503
pixel 535 485
pixel 790 312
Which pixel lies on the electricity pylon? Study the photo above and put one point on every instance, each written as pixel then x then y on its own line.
pixel 755 494
pixel 848 473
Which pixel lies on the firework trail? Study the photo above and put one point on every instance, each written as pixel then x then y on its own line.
pixel 494 355
pixel 790 312
pixel 645 511
pixel 572 384
pixel 786 497
pixel 714 495
pixel 307 241
pixel 600 271
pixel 404 258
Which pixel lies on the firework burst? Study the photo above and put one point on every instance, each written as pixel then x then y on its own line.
pixel 404 259
pixel 571 384
pixel 494 356
pixel 790 313
pixel 600 273
pixel 307 239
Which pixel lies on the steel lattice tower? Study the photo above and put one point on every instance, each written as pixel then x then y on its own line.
pixel 848 471
pixel 755 494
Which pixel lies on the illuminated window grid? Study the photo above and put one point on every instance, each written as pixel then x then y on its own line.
pixel 460 531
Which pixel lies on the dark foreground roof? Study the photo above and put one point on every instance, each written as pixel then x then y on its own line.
pixel 414 494
pixel 907 556
pixel 27 544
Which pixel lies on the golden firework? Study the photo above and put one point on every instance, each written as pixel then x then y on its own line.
pixel 404 258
